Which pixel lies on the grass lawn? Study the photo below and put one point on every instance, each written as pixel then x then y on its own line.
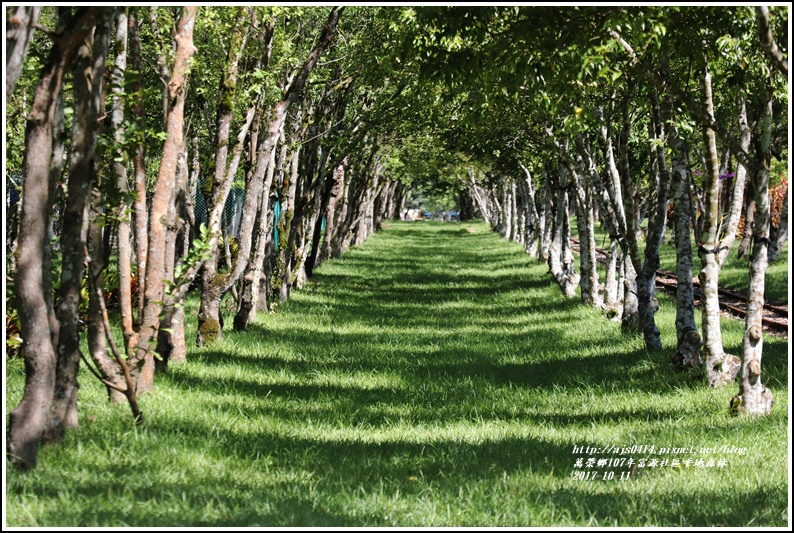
pixel 434 376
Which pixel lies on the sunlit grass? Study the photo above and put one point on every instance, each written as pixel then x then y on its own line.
pixel 434 376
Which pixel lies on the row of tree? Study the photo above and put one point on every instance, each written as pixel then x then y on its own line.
pixel 130 115
pixel 122 120
pixel 640 119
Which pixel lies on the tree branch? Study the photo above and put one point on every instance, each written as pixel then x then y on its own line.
pixel 768 43
pixel 694 107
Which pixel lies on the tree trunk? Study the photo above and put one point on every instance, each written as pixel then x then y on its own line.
pixel 585 222
pixel 336 187
pixel 250 292
pixel 315 259
pixel 753 397
pixel 142 361
pixel 288 230
pixel 560 254
pixel 749 222
pixel 532 224
pixel 119 170
pixel 546 222
pixel 646 277
pixel 612 304
pixel 622 202
pixel 213 285
pixel 340 226
pixel 721 368
pixel 687 353
pixel 171 345
pixel 88 73
pixel 140 211
pixel 20 22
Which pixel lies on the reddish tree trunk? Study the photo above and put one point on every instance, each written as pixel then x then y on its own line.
pixel 142 361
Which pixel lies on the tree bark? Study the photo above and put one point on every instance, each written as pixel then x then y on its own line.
pixel 336 187
pixel 767 40
pixel 560 254
pixel 213 287
pixel 288 222
pixel 119 170
pixel 585 221
pixel 646 277
pixel 171 345
pixel 749 222
pixel 532 223
pixel 250 292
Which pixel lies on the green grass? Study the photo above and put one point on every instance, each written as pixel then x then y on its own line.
pixel 434 376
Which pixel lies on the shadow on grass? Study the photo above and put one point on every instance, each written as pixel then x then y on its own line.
pixel 412 372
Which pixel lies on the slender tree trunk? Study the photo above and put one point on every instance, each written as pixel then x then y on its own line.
pixel 119 170
pixel 612 304
pixel 585 221
pixel 314 258
pixel 753 397
pixel 250 293
pixel 213 283
pixel 721 368
pixel 618 217
pixel 109 370
pixel 142 361
pixel 689 341
pixel 532 226
pixel 546 222
pixel 171 345
pixel 749 222
pixel 331 220
pixel 88 73
pixel 646 277
pixel 140 210
pixel 289 227
pixel 560 254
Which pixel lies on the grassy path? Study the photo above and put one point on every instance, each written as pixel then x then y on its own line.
pixel 433 376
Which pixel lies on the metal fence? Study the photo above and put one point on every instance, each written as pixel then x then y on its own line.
pixel 232 212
